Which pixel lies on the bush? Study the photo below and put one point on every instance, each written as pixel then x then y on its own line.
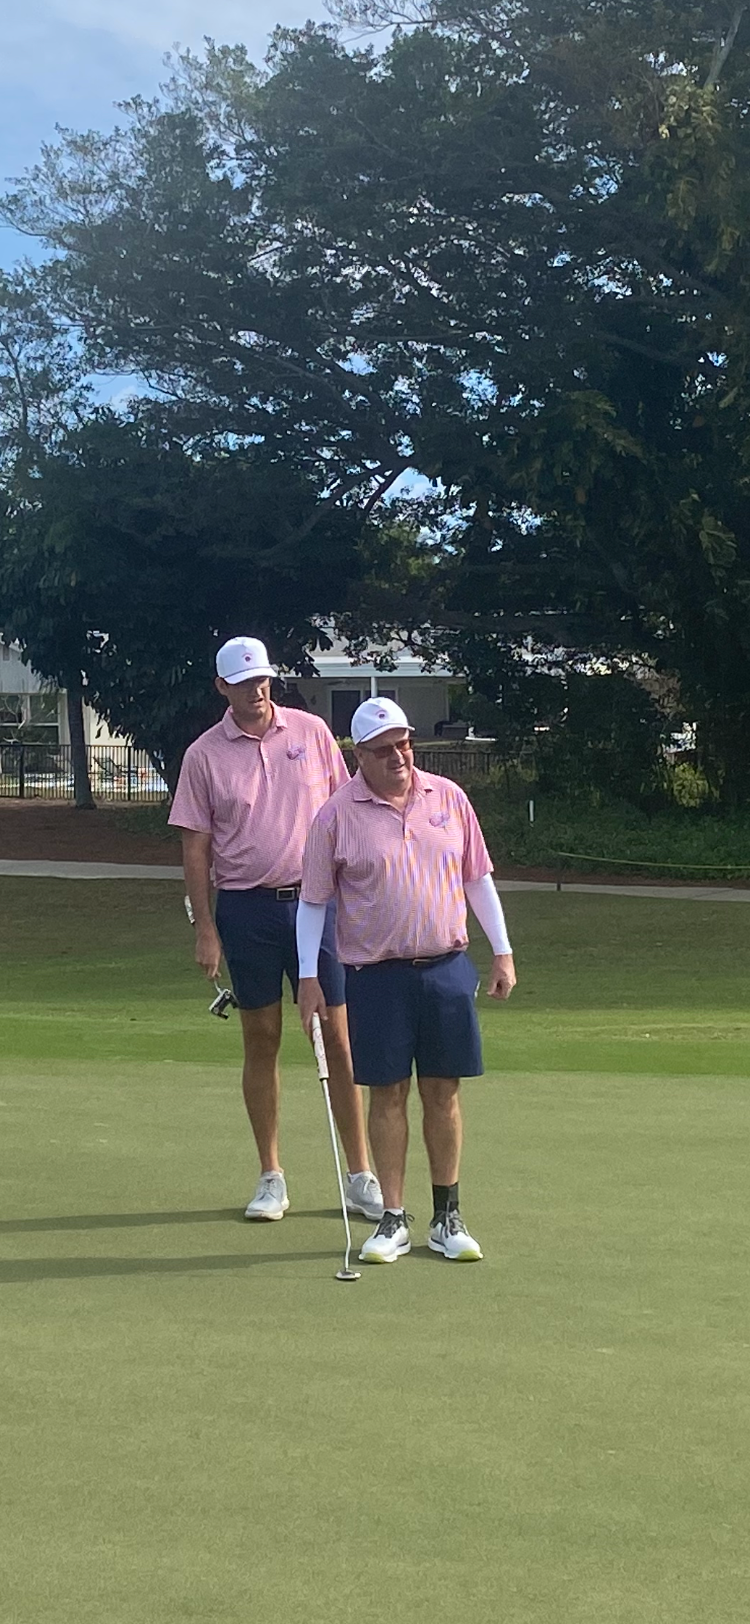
pixel 615 838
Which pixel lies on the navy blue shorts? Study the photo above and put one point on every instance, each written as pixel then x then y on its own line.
pixel 260 946
pixel 403 1014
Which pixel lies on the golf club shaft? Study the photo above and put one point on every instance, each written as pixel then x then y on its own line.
pixel 322 1063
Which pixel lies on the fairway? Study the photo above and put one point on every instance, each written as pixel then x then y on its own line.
pixel 201 1425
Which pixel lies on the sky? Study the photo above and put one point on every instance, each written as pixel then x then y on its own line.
pixel 68 61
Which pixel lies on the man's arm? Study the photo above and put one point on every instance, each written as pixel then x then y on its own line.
pixel 485 904
pixel 311 918
pixel 196 862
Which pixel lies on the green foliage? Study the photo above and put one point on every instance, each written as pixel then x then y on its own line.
pixel 689 787
pixel 613 838
pixel 609 740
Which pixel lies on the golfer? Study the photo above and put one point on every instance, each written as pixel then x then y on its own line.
pixel 248 791
pixel 400 851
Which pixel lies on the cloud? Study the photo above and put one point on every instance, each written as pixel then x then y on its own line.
pixel 69 61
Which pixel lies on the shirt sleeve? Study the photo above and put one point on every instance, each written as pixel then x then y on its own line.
pixel 191 807
pixel 318 868
pixel 338 771
pixel 476 858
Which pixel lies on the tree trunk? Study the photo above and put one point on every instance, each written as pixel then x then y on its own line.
pixel 81 781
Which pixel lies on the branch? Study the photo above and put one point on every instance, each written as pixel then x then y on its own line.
pixel 723 47
pixel 384 486
pixel 22 396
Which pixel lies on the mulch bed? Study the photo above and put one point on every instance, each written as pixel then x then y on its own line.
pixel 49 830
pixel 54 830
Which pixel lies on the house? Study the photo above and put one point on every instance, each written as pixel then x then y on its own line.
pixel 33 709
pixel 342 683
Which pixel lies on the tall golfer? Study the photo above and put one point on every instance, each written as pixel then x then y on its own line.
pixel 401 851
pixel 248 791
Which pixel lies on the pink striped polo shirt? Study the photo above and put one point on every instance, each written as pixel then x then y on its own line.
pixel 257 797
pixel 398 877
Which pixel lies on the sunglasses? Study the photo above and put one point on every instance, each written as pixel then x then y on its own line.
pixel 383 751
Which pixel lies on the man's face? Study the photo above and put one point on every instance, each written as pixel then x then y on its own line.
pixel 250 700
pixel 387 762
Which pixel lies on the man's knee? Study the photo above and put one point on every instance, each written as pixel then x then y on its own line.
pixel 439 1095
pixel 390 1100
pixel 261 1031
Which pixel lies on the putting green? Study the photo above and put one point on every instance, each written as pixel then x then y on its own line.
pixel 202 1425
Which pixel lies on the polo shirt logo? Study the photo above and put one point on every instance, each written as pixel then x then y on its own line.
pixel 439 819
pixel 297 752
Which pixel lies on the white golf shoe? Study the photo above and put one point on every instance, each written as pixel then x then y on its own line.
pixel 449 1235
pixel 389 1241
pixel 363 1194
pixel 270 1200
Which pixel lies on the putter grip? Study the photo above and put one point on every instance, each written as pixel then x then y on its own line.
pixel 320 1049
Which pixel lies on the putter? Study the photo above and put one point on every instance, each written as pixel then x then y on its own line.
pixel 320 1055
pixel 225 998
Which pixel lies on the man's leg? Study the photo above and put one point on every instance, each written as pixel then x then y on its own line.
pixel 442 1126
pixel 261 1031
pixel 389 1137
pixel 346 1099
pixel 443 1135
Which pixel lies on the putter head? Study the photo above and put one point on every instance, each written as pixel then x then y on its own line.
pixel 224 1001
pixel 348 1274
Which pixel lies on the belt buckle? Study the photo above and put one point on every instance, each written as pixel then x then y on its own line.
pixel 287 893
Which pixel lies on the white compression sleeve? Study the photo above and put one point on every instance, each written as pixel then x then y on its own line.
pixel 311 918
pixel 485 903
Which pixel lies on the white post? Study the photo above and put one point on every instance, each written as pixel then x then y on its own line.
pixel 373 686
pixel 531 811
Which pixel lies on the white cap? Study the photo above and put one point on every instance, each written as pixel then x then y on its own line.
pixel 376 716
pixel 243 657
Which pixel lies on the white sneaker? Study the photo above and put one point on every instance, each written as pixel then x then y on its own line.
pixel 363 1194
pixel 389 1241
pixel 270 1199
pixel 449 1235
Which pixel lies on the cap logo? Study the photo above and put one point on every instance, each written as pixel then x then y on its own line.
pixel 248 659
pixel 382 716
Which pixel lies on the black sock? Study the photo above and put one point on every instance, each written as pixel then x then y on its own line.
pixel 444 1198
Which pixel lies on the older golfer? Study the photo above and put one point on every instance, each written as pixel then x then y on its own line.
pixel 248 791
pixel 400 851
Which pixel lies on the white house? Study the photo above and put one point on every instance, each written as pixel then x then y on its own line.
pixel 26 700
pixel 342 684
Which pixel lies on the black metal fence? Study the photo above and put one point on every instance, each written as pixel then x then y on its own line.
pixel 118 772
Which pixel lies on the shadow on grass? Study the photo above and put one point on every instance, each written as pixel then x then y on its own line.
pixel 144 1220
pixel 85 1268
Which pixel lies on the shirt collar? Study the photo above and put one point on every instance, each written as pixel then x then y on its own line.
pixel 361 790
pixel 232 731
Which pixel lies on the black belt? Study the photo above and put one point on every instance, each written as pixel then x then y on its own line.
pixel 419 964
pixel 282 893
pixel 437 958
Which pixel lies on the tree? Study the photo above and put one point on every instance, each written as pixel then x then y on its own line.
pixel 509 252
pixel 152 557
pixel 41 393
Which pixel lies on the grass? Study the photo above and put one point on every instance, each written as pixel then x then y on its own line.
pixel 201 1426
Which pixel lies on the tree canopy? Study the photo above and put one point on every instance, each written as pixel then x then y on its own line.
pixel 508 251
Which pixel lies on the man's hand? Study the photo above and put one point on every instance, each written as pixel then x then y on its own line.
pixel 502 976
pixel 208 950
pixel 310 1001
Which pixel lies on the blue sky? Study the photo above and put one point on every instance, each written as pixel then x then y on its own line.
pixel 68 61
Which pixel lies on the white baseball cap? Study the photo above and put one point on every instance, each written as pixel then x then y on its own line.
pixel 376 716
pixel 243 657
